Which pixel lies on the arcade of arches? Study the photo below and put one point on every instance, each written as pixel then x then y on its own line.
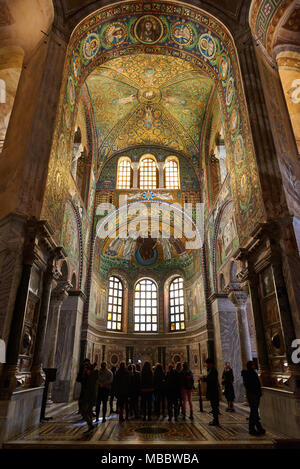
pixel 112 117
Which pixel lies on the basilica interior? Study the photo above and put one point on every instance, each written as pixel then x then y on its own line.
pixel 179 122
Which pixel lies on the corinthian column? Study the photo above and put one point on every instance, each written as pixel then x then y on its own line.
pixel 239 299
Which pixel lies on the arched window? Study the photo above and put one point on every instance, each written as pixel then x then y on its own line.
pixel 172 174
pixel 124 173
pixel 115 304
pixel 145 306
pixel 176 305
pixel 148 172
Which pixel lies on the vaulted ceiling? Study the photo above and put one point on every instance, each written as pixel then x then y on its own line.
pixel 149 100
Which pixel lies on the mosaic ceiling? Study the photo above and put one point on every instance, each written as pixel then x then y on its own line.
pixel 149 100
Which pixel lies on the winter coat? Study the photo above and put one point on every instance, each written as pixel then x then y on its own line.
pixel 251 383
pixel 227 381
pixel 146 381
pixel 122 383
pixel 212 384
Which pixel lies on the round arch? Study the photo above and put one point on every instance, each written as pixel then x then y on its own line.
pixel 212 49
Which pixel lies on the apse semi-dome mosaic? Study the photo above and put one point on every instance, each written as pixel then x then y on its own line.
pixel 169 29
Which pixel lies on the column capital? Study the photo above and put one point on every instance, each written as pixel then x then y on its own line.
pixel 60 292
pixel 236 294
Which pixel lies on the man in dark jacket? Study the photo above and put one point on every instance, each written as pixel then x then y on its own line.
pixel 105 379
pixel 89 391
pixel 172 391
pixel 253 392
pixel 122 390
pixel 212 390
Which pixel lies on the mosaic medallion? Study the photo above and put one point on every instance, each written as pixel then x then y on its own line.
pixel 224 66
pixel 115 34
pixel 234 119
pixel 76 64
pixel 239 149
pixel 182 33
pixel 61 146
pixel 71 91
pixel 148 29
pixel 91 46
pixel 149 95
pixel 244 186
pixel 207 46
pixel 67 117
pixel 229 91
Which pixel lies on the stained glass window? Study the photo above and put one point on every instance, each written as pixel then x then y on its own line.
pixel 115 304
pixel 124 174
pixel 145 306
pixel 176 305
pixel 171 175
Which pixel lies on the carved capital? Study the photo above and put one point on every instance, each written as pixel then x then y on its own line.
pixel 60 292
pixel 236 294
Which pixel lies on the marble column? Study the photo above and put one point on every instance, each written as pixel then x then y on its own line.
pixel 161 175
pixel 250 286
pixel 51 273
pixel 226 339
pixel 58 296
pixel 68 346
pixel 135 169
pixel 239 299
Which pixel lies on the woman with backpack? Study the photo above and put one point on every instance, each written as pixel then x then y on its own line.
pixel 187 385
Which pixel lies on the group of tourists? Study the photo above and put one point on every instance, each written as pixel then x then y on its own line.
pixel 252 387
pixel 139 392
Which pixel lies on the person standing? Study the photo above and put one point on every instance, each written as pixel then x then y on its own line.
pixel 113 392
pixel 105 379
pixel 159 381
pixel 122 390
pixel 172 392
pixel 134 390
pixel 86 362
pixel 212 390
pixel 178 370
pixel 89 391
pixel 227 381
pixel 187 384
pixel 146 390
pixel 253 392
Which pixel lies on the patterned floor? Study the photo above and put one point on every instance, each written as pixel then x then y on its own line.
pixel 69 430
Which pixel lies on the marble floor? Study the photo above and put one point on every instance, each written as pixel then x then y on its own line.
pixel 68 430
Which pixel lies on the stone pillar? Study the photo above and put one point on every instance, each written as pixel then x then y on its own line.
pixel 265 151
pixel 135 169
pixel 28 141
pixel 68 346
pixel 161 175
pixel 251 287
pixel 58 296
pixel 239 299
pixel 226 340
pixel 37 375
